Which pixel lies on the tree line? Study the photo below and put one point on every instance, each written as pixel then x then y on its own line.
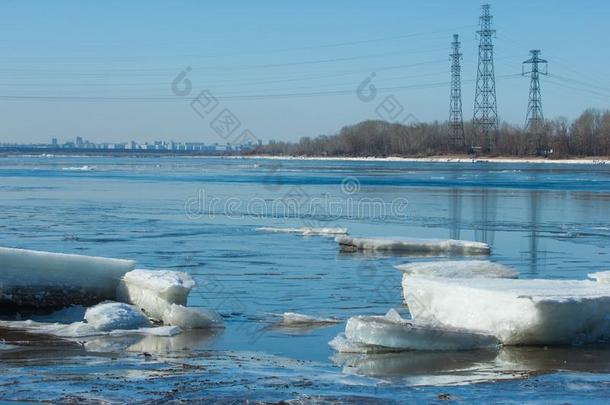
pixel 588 135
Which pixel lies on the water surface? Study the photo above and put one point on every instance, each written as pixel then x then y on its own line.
pixel 200 215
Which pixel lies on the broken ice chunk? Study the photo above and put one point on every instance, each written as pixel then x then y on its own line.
pixel 33 280
pixel 393 332
pixel 413 246
pixel 459 269
pixel 154 291
pixel 191 318
pixel 517 312
pixel 342 344
pixel 116 315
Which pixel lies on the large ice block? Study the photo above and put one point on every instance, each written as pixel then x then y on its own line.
pixel 413 246
pixel 33 280
pixel 459 269
pixel 517 312
pixel 153 291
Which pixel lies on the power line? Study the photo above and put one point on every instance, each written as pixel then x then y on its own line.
pixel 262 96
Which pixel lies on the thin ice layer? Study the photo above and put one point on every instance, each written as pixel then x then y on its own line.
pixel 110 316
pixel 459 269
pixel 413 246
pixel 517 312
pixel 393 332
pixel 306 231
pixel 154 291
pixel 294 319
pixel 42 280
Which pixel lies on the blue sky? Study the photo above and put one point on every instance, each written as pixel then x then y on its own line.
pixel 103 70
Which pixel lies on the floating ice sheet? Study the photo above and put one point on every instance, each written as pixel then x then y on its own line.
pixel 294 319
pixel 413 246
pixel 459 269
pixel 83 329
pixel 33 280
pixel 306 231
pixel 394 333
pixel 517 312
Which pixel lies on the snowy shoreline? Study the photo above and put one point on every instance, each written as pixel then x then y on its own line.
pixel 434 159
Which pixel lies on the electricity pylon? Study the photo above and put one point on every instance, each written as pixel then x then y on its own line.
pixel 485 105
pixel 534 121
pixel 456 119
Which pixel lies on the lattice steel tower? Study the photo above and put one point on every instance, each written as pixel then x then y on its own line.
pixel 485 106
pixel 456 119
pixel 534 121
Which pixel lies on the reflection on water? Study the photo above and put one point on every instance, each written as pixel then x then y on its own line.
pixel 478 365
pixel 455 212
pixel 32 345
pixel 534 206
pixel 485 216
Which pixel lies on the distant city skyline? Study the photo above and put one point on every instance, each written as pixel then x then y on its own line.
pixel 282 69
pixel 159 145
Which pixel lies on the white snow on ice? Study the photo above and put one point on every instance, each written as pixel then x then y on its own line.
pixel 459 269
pixel 116 315
pixel 306 231
pixel 517 312
pixel 413 246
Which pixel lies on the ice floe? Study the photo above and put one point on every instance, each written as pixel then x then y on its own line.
pixel 116 315
pixel 516 312
pixel 42 280
pixel 459 269
pixel 393 333
pixel 306 231
pixel 413 246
